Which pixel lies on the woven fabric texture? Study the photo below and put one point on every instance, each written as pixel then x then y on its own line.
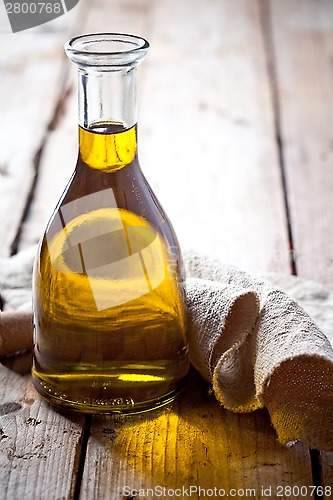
pixel 280 360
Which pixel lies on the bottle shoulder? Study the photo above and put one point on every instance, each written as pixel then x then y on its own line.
pixel 126 189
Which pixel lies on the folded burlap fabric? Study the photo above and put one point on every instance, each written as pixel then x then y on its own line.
pixel 280 359
pixel 256 345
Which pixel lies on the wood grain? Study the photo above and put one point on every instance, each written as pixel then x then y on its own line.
pixel 303 48
pixel 61 146
pixel 208 147
pixel 28 90
pixel 39 448
pixel 193 443
pixel 209 152
pixel 31 94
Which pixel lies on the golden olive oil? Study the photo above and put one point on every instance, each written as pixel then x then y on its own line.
pixel 108 287
pixel 107 151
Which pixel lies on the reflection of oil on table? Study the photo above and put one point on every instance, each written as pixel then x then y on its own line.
pixel 236 112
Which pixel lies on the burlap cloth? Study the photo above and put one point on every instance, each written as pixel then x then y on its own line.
pixel 254 343
pixel 281 359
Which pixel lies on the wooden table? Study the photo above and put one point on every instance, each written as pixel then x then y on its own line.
pixel 236 117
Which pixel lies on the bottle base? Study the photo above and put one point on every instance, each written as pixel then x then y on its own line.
pixel 97 394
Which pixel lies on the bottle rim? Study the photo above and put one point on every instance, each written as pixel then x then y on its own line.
pixel 106 49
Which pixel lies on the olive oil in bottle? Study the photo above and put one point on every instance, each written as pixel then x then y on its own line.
pixel 110 333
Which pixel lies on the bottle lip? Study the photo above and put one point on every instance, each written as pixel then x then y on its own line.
pixel 106 49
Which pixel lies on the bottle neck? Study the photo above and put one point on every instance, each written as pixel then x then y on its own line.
pixel 107 118
pixel 107 65
pixel 107 97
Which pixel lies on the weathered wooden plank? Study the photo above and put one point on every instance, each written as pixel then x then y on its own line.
pixel 217 133
pixel 31 77
pixel 303 45
pixel 60 151
pixel 57 162
pixel 28 87
pixel 208 143
pixel 39 447
pixel 54 170
pixel 194 444
pixel 209 152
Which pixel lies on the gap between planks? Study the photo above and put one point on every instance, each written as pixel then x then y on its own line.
pixel 51 120
pixel 268 43
pixel 63 96
pixel 82 456
pixel 303 34
pixel 266 24
pixel 60 103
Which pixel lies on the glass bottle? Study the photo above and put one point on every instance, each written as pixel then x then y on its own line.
pixel 108 279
